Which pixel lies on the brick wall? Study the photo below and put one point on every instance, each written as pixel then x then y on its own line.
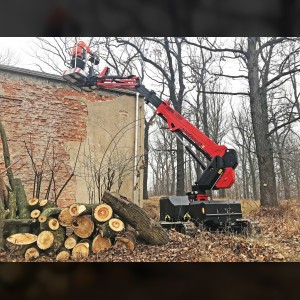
pixel 44 114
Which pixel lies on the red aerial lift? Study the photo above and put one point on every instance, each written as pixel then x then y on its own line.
pixel 185 213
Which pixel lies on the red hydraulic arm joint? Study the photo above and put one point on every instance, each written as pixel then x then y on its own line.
pixel 178 123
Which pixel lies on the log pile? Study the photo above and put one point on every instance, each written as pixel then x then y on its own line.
pixel 80 230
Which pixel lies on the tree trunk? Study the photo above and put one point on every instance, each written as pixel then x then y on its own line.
pixel 12 206
pixel 4 197
pixel 23 208
pixel 2 217
pixel 148 229
pixel 6 156
pixel 146 160
pixel 180 170
pixel 259 114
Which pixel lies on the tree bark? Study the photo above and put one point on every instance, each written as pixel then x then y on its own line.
pixel 259 114
pixel 58 241
pixel 23 209
pixel 12 206
pixel 148 229
pixel 48 213
pixel 6 156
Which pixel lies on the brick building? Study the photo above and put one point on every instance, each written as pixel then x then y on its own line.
pixel 96 132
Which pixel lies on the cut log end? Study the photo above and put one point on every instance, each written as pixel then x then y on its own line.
pixel 128 239
pixel 116 225
pixel 33 201
pixel 83 226
pixel 100 244
pixel 53 224
pixel 76 209
pixel 31 254
pixel 81 250
pixel 43 202
pixel 65 218
pixel 103 212
pixel 42 219
pixel 70 242
pixel 22 239
pixel 45 240
pixel 35 214
pixel 63 255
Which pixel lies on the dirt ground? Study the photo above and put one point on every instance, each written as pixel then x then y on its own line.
pixel 279 240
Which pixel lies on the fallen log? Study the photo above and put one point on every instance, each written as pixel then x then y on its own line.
pixel 31 253
pixel 148 229
pixel 45 240
pixel 100 244
pixel 102 212
pixel 20 221
pixel 71 241
pixel 83 226
pixel 63 255
pixel 65 218
pixel 48 212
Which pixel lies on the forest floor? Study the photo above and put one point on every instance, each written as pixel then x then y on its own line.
pixel 279 240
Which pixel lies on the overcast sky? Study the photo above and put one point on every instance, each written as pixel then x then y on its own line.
pixel 20 46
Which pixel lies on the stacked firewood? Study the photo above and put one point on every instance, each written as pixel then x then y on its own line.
pixel 72 232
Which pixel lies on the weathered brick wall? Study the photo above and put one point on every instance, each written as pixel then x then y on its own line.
pixel 41 112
